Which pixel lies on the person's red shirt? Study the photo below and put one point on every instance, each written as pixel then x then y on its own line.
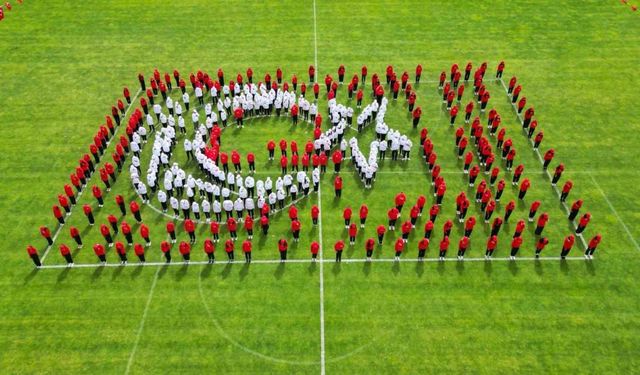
pixel 346 214
pixel 189 226
pixel 246 246
pixel 184 248
pixel 315 247
pixel 339 246
pixel 98 249
pixel 399 245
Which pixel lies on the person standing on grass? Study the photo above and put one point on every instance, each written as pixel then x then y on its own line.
pixel 314 248
pixel 492 242
pixel 582 224
pixel 593 244
pixel 444 246
pixel 126 231
pixel 185 251
pixel 338 247
pixel 75 234
pixel 542 222
pixel 575 208
pixel 368 246
pixel 33 254
pixel 190 228
pixel 463 244
pixel 229 248
pixel 46 233
pixel 104 230
pixel 566 189
pixel 66 254
pixel 567 245
pixel 380 230
pixel 98 249
pixel 135 210
pixel 515 246
pixel 283 245
pixel 165 247
pixel 540 245
pixel 246 249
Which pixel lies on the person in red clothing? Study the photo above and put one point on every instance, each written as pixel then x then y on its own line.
pixel 488 212
pixel 557 174
pixel 135 210
pixel 98 249
pixel 185 251
pixel 567 245
pixel 566 189
pixel 338 247
pixel 337 186
pixel 144 233
pixel 575 208
pixel 548 157
pixel 542 222
pixel 264 224
pixel 271 147
pixel 190 228
pixel 398 247
pixel 524 187
pixel 444 246
pixel 314 249
pixel 66 254
pixel 104 230
pixel 495 226
pixel 540 245
pixel 418 73
pixel 238 114
pixel 492 242
pixel 251 160
pixel 283 164
pixel 515 246
pixel 520 225
pixel 336 158
pixel 433 212
pixel 46 234
pixel 393 215
pixel 209 249
pixel 364 212
pixel 97 193
pixel 582 224
pixel 75 234
pixel 171 231
pixel 295 230
pixel 126 231
pixel 413 215
pixel 463 244
pixel 232 227
pixel 509 210
pixel 246 249
pixel 400 200
pixel 533 210
pixel 229 247
pixel 537 140
pixel 283 246
pixel 353 231
pixel 248 226
pixel 121 250
pixel 592 246
pixel 33 254
pixel 346 215
pixel 165 247
pixel 469 225
pixel 315 212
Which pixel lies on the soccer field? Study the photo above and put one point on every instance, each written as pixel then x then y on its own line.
pixel 64 64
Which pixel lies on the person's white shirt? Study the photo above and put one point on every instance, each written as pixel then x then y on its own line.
pixel 198 91
pixel 184 204
pixel 185 98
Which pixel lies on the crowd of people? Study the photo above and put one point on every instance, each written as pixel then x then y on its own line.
pixel 225 196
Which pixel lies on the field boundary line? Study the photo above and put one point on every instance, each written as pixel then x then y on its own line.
pixel 142 321
pixel 57 232
pixel 615 212
pixel 307 261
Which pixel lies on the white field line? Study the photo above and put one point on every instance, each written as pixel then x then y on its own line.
pixel 555 188
pixel 615 212
pixel 322 339
pixel 319 260
pixel 142 321
pixel 57 232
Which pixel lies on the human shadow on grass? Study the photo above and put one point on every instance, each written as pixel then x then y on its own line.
pixel 313 266
pixel 366 268
pixel 137 271
pixel 206 271
pixel 337 267
pixel 63 275
pixel 590 267
pixel 564 266
pixel 163 270
pixel 30 276
pixel 513 267
pixel 440 268
pixel 279 271
pixel 116 273
pixel 537 264
pixel 488 268
pixel 460 267
pixel 97 273
pixel 395 268
pixel 419 268
pixel 226 270
pixel 244 271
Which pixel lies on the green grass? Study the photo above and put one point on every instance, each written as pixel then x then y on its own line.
pixel 64 63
